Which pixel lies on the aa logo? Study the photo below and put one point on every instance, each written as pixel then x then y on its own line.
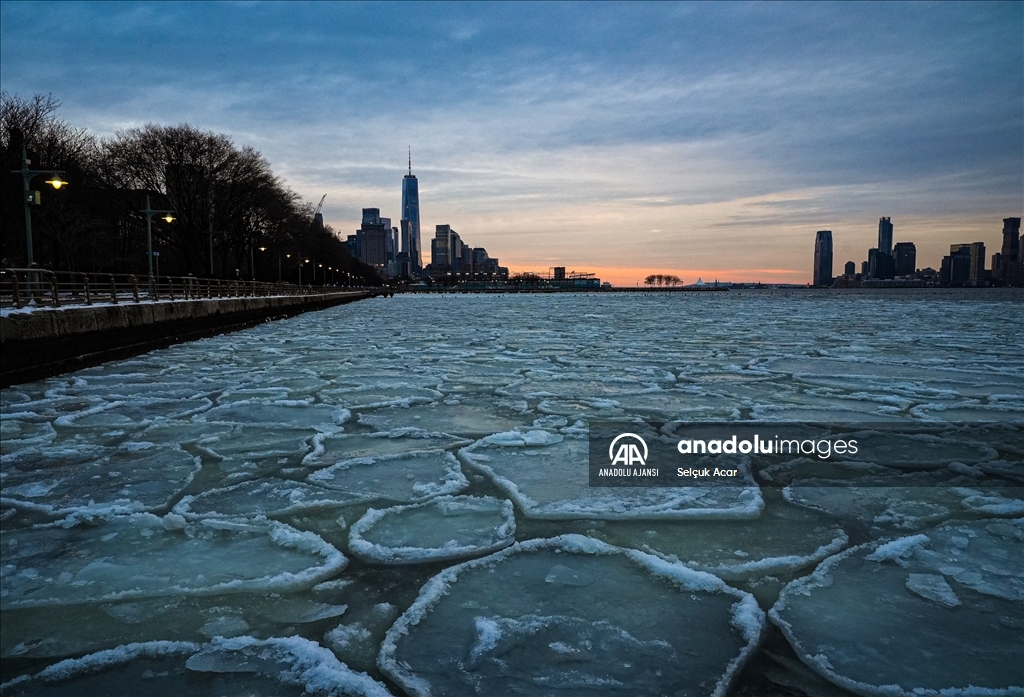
pixel 628 452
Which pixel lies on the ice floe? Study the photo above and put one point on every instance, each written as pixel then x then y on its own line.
pixel 934 613
pixel 571 615
pixel 264 497
pixel 226 667
pixel 443 529
pixel 405 478
pixel 58 480
pixel 91 559
pixel 546 475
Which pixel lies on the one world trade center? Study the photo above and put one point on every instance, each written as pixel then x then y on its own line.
pixel 411 219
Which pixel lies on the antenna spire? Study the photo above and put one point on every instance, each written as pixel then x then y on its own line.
pixel 410 160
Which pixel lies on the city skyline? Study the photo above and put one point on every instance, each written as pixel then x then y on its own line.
pixel 713 147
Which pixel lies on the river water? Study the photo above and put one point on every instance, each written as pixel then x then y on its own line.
pixel 328 504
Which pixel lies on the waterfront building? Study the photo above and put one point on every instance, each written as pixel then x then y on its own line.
pixel 372 239
pixel 905 256
pixel 956 268
pixel 977 273
pixel 823 258
pixel 410 223
pixel 881 266
pixel 885 236
pixel 1008 262
pixel 440 247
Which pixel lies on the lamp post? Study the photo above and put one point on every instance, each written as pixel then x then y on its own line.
pixel 149 213
pixel 32 197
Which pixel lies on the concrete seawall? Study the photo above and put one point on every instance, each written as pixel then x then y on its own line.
pixel 50 341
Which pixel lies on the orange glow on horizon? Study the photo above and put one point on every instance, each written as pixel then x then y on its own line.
pixel 634 276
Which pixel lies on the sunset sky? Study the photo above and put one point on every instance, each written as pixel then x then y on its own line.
pixel 705 140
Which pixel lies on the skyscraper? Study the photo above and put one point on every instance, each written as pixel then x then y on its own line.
pixel 823 258
pixel 372 238
pixel 905 254
pixel 885 236
pixel 411 219
pixel 1007 263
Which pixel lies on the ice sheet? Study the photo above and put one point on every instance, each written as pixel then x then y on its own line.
pixel 548 615
pixel 93 559
pixel 934 613
pixel 549 480
pixel 232 667
pixel 400 478
pixel 443 529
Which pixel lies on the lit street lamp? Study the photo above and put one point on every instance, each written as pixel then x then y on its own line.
pixel 32 197
pixel 149 213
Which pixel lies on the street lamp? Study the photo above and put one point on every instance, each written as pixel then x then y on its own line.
pixel 149 213
pixel 32 197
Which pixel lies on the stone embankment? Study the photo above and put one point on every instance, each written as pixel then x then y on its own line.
pixel 41 342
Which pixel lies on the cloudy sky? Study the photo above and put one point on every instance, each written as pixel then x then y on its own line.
pixel 706 140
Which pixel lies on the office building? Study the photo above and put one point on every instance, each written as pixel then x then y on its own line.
pixel 823 258
pixel 1008 262
pixel 410 223
pixel 372 239
pixel 956 268
pixel 905 256
pixel 977 273
pixel 881 266
pixel 440 248
pixel 885 236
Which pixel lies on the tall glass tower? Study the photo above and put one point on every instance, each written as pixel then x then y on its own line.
pixel 885 236
pixel 411 218
pixel 823 258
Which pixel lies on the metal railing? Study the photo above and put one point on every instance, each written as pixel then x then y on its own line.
pixel 42 287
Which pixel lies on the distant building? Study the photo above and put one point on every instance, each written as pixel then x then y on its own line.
pixel 956 268
pixel 372 239
pixel 823 258
pixel 977 274
pixel 905 256
pixel 410 224
pixel 1008 263
pixel 881 265
pixel 885 236
pixel 441 248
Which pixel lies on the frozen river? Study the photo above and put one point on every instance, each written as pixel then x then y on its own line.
pixel 391 497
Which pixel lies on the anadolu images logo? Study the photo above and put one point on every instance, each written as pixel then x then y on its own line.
pixel 628 452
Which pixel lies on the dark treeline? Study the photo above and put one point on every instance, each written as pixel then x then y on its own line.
pixel 259 225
